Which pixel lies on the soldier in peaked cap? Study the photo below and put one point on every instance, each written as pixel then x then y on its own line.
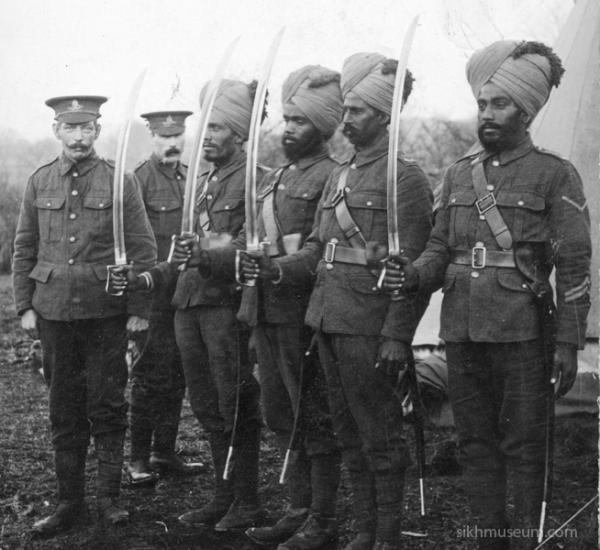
pixel 63 243
pixel 288 198
pixel 158 383
pixel 363 335
pixel 510 213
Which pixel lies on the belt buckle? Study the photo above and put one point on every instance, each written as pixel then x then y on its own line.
pixel 330 251
pixel 486 203
pixel 478 256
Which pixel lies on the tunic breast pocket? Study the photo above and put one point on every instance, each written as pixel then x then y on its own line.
pixel 228 215
pixel 525 214
pixel 369 210
pixel 97 214
pixel 50 218
pixel 298 211
pixel 463 213
pixel 165 216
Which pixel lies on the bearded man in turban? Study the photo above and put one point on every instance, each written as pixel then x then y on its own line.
pixel 509 214
pixel 363 337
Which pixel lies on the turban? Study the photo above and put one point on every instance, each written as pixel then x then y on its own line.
pixel 526 78
pixel 234 104
pixel 315 90
pixel 362 74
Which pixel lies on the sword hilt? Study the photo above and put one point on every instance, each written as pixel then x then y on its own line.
pixel 254 253
pixel 109 287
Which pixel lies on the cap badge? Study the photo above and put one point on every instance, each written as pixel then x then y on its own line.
pixel 75 106
pixel 169 122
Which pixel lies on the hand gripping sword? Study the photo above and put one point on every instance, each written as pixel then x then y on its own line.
pixel 118 184
pixel 394 249
pixel 252 244
pixel 392 166
pixel 191 180
pixel 248 305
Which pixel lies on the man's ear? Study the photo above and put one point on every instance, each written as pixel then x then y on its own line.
pixel 238 140
pixel 525 118
pixel 55 127
pixel 98 130
pixel 383 118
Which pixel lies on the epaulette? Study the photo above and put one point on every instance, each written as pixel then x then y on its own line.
pixel 474 151
pixel 550 153
pixel 264 167
pixel 110 162
pixel 406 160
pixel 48 164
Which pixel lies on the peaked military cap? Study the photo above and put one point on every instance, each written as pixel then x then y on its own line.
pixel 167 123
pixel 76 109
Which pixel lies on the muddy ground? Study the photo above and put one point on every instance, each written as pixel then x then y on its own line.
pixel 27 486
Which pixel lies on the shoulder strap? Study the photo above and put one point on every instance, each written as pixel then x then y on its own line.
pixel 344 218
pixel 486 205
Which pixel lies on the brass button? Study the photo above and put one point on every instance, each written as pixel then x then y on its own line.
pixel 524 285
pixel 453 201
pixel 369 203
pixel 178 176
pixel 76 300
pixel 209 197
pixel 334 240
pixel 163 207
pixel 482 217
pixel 495 163
pixel 226 207
pixel 72 215
pixel 489 187
pixel 347 190
pixel 101 205
pixel 48 204
pixel 292 166
pixel 329 266
pixel 281 186
pixel 71 261
pixel 304 195
pixel 214 178
pixel 353 166
pixel 72 239
pixel 520 203
pixel 75 174
pixel 474 274
pixel 74 192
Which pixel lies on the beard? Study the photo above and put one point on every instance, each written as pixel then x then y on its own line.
pixel 499 137
pixel 295 149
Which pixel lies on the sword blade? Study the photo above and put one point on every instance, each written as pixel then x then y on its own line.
pixel 252 243
pixel 119 176
pixel 392 167
pixel 191 180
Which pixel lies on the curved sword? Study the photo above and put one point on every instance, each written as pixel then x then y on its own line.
pixel 119 182
pixel 189 197
pixel 392 166
pixel 252 243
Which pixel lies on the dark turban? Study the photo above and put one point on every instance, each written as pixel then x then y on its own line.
pixel 526 71
pixel 234 104
pixel 315 90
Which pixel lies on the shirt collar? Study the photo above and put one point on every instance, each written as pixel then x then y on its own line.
pixel 83 166
pixel 371 154
pixel 509 155
pixel 236 162
pixel 308 161
pixel 169 169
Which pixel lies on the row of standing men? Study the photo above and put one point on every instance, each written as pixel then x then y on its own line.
pixel 325 223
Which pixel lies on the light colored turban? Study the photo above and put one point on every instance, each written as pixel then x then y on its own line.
pixel 234 104
pixel 315 90
pixel 362 75
pixel 526 79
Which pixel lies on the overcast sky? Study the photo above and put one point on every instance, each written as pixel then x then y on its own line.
pixel 61 47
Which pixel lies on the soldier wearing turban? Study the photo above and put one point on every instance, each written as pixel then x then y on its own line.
pixel 362 335
pixel 510 213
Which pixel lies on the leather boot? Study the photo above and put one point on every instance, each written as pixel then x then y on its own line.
pixel 216 508
pixel 139 474
pixel 389 488
pixel 245 510
pixel 324 479
pixel 486 492
pixel 315 532
pixel 109 450
pixel 299 491
pixel 528 491
pixel 70 475
pixel 362 486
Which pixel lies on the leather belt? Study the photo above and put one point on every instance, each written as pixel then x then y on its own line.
pixel 333 252
pixel 480 257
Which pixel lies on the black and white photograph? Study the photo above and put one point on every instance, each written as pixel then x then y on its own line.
pixel 283 275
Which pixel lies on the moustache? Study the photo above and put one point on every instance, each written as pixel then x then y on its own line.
pixel 490 126
pixel 172 151
pixel 348 129
pixel 78 147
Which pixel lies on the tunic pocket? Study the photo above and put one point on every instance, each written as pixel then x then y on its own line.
pixel 50 217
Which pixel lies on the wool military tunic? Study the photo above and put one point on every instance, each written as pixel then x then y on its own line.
pixel 540 197
pixel 345 299
pixel 64 241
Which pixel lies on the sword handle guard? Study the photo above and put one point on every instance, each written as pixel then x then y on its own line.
pixel 109 287
pixel 181 267
pixel 395 295
pixel 262 249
